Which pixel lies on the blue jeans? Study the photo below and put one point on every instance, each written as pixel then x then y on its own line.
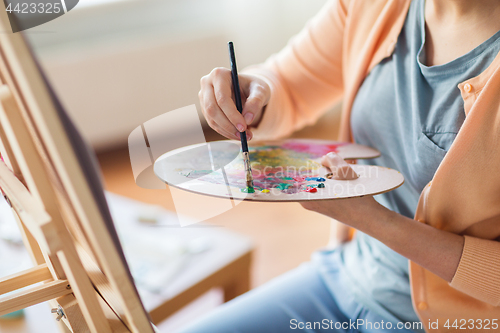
pixel 295 301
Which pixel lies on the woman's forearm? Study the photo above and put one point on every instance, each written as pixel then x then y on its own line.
pixel 436 250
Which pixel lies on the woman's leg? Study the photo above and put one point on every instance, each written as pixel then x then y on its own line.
pixel 285 304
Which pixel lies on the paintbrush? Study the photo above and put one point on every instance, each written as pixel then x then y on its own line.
pixel 237 98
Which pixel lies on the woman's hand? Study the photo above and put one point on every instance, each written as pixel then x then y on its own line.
pixel 216 99
pixel 339 209
pixel 339 169
pixel 436 250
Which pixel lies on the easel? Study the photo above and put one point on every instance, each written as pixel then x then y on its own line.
pixel 79 265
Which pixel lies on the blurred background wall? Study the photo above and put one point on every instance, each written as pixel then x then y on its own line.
pixel 118 63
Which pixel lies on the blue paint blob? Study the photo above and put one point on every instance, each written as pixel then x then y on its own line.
pixel 318 179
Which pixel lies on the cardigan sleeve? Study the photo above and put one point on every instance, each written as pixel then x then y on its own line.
pixel 478 272
pixel 306 76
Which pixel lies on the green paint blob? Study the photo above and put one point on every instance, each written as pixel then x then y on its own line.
pixel 248 190
pixel 287 178
pixel 321 185
pixel 283 186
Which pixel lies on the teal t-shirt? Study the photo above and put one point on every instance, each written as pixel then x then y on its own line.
pixel 411 113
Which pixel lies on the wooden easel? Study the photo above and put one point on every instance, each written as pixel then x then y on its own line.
pixel 51 186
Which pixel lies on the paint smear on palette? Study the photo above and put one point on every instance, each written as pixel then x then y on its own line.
pixel 289 168
pixel 311 149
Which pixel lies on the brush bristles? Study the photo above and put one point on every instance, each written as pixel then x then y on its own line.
pixel 248 170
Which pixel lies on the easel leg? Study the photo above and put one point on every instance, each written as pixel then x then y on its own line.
pixel 62 327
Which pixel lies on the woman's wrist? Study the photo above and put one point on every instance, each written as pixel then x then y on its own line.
pixel 366 211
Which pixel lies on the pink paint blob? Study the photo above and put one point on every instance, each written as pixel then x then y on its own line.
pixel 313 149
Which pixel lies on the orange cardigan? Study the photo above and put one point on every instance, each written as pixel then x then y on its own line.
pixel 327 62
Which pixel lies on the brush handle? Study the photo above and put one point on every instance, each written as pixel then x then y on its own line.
pixel 237 94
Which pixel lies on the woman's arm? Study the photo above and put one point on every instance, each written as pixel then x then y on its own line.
pixel 306 76
pixel 295 86
pixel 436 250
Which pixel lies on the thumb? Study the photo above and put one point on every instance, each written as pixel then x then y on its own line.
pixel 254 104
pixel 340 169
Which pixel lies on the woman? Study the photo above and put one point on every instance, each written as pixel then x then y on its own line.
pixel 420 81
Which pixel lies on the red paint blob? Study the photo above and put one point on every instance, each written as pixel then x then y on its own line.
pixel 311 189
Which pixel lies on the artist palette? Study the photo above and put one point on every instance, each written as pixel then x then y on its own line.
pixel 288 170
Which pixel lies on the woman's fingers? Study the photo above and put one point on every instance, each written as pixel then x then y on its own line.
pixel 258 94
pixel 249 135
pixel 216 118
pixel 258 97
pixel 340 169
pixel 223 87
pixel 219 108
